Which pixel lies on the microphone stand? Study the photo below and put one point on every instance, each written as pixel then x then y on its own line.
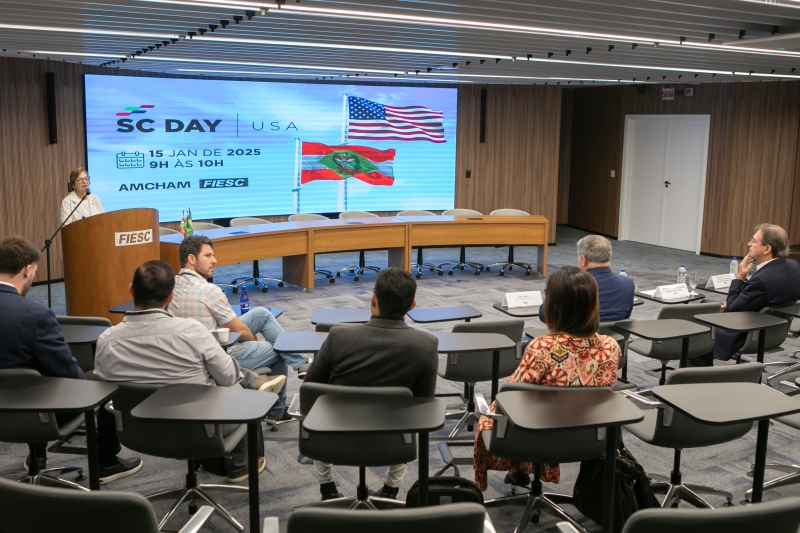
pixel 49 241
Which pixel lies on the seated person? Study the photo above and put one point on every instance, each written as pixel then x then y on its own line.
pixel 206 303
pixel 151 346
pixel 616 292
pixel 30 337
pixel 585 359
pixel 384 352
pixel 776 282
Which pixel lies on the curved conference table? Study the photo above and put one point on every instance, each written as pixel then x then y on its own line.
pixel 297 242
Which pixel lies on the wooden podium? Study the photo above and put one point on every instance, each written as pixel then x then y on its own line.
pixel 101 254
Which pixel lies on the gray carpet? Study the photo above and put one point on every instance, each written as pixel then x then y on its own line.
pixel 286 484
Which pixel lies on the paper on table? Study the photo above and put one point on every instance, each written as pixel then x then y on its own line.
pixel 648 293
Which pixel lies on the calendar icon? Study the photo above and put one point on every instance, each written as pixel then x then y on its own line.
pixel 128 160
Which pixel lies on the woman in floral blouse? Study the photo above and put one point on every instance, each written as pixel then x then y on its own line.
pixel 573 355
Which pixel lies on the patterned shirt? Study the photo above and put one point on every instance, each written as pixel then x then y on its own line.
pixel 196 298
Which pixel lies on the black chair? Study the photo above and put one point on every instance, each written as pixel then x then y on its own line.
pixel 453 518
pixel 38 427
pixel 666 351
pixel 420 264
pixel 668 428
pixel 184 441
pixel 509 264
pixel 362 266
pixel 300 217
pixel 26 509
pixel 560 446
pixel 462 260
pixel 83 353
pixel 256 278
pixel 354 450
pixel 781 516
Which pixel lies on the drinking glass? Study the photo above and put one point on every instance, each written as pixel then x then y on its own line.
pixel 694 279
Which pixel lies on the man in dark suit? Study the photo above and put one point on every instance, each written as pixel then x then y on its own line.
pixel 383 352
pixel 776 282
pixel 616 292
pixel 30 337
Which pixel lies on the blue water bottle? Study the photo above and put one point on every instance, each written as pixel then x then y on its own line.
pixel 244 301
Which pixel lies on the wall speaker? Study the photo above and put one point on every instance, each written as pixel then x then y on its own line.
pixel 640 89
pixel 52 126
pixel 483 115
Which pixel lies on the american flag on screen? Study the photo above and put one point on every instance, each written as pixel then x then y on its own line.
pixel 377 122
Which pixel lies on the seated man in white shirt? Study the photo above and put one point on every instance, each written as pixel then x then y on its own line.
pixel 151 346
pixel 206 303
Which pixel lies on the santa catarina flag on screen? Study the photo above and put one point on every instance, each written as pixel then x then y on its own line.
pixel 323 162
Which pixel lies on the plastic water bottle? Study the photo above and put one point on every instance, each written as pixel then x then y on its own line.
pixel 622 273
pixel 244 301
pixel 682 274
pixel 734 266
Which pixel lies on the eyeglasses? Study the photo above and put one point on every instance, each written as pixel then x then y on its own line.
pixel 81 180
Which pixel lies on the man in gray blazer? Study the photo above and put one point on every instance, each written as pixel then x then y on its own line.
pixel 383 352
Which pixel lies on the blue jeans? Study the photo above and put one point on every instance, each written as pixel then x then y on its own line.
pixel 260 353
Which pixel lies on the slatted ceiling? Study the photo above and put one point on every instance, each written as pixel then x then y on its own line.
pixel 653 20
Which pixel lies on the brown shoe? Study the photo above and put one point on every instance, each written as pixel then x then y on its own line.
pixel 270 383
pixel 262 464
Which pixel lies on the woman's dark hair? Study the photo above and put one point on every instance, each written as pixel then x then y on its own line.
pixel 572 305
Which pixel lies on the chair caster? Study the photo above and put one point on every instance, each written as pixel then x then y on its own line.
pixel 352 271
pixel 477 272
pixel 80 476
pixel 535 518
pixel 527 272
pixel 356 278
pixel 308 290
pixel 728 503
pixel 332 280
pixel 461 267
pixel 235 290
pixel 502 273
pixel 265 289
pixel 488 269
pixel 430 269
pixel 419 276
pixel 192 508
pixel 511 267
pixel 280 284
pixel 338 274
pixel 470 427
pixel 450 273
pixel 441 272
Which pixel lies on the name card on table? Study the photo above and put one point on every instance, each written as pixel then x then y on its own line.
pixel 513 300
pixel 671 292
pixel 723 281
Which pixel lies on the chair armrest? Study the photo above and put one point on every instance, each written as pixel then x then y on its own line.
pixel 198 519
pixel 294 406
pixel 566 527
pixel 488 527
pixel 271 524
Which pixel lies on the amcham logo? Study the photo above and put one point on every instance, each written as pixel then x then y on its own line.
pixel 171 125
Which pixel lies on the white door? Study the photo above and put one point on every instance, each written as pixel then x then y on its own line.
pixel 663 180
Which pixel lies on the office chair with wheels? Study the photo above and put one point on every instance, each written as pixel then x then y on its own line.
pixel 559 446
pixel 666 351
pixel 667 428
pixel 462 261
pixel 361 450
pixel 453 518
pixel 83 353
pixel 510 263
pixel 26 508
pixel 38 427
pixel 255 278
pixel 361 266
pixel 420 263
pixel 300 217
pixel 781 516
pixel 163 232
pixel 183 441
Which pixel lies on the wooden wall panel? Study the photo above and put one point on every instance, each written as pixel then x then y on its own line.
pixel 565 154
pixel 517 166
pixel 752 156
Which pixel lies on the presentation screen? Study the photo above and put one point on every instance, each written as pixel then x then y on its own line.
pixel 235 148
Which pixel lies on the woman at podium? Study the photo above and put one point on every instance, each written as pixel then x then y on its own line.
pixel 79 181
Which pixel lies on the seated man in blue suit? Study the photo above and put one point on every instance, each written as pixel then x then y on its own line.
pixel 616 292
pixel 30 337
pixel 776 282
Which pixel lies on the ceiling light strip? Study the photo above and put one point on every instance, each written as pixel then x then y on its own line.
pixel 90 31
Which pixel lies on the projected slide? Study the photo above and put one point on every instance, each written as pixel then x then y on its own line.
pixel 235 148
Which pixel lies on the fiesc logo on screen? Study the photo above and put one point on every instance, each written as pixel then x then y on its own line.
pixel 171 125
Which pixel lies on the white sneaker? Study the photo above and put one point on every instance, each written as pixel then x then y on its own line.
pixel 271 383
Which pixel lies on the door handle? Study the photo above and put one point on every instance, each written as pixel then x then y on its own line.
pixel 667 184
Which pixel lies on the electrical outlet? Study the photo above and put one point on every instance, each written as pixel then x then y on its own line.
pixel 469 174
pixel 613 173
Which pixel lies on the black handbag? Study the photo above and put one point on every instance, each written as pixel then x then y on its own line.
pixel 632 488
pixel 446 489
